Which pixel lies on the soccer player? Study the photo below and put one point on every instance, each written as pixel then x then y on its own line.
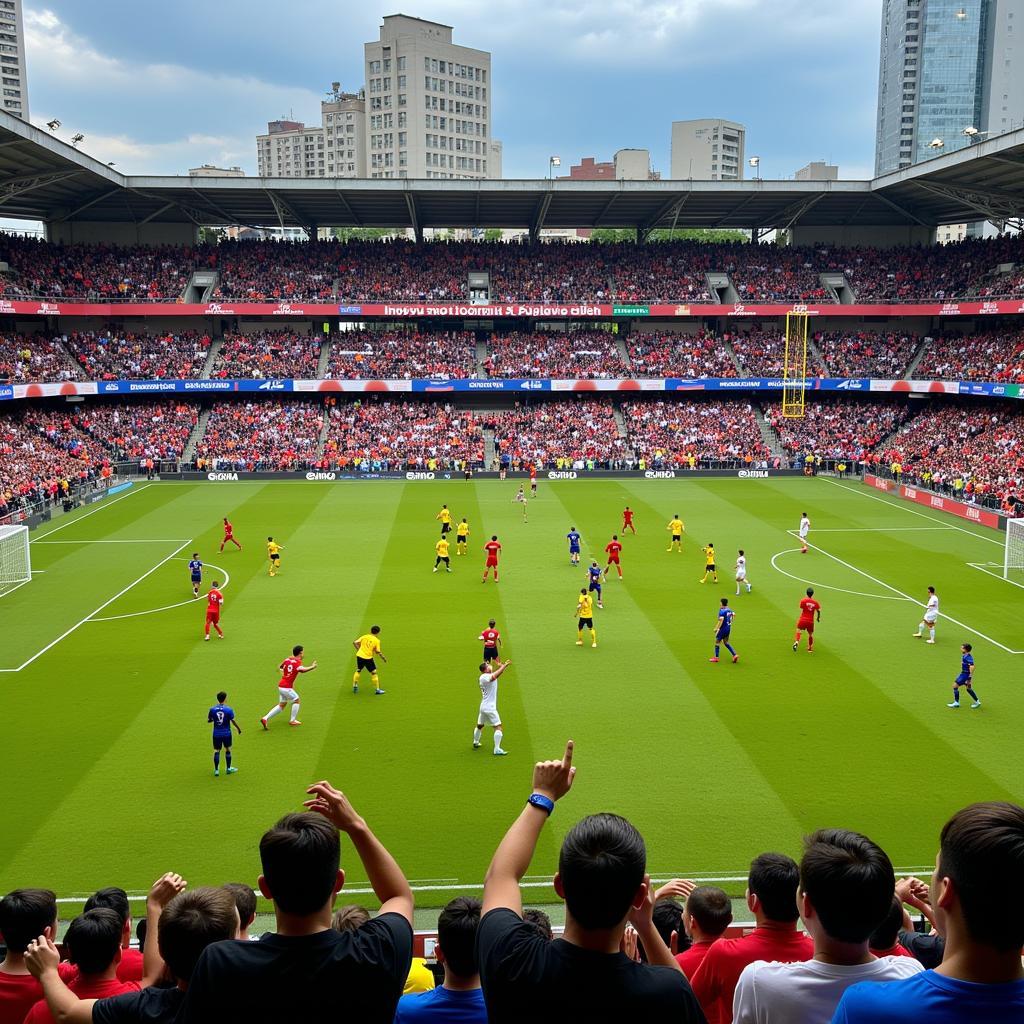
pixel 488 713
pixel 585 614
pixel 809 611
pixel 612 549
pixel 493 548
pixel 573 537
pixel 521 498
pixel 367 649
pixel 594 572
pixel 222 718
pixel 533 480
pixel 229 535
pixel 676 527
pixel 214 600
pixel 492 641
pixel 195 569
pixel 805 528
pixel 461 536
pixel 290 668
pixel 931 613
pixel 441 549
pixel 274 554
pixel 445 517
pixel 709 563
pixel 965 679
pixel 723 630
pixel 627 521
pixel 741 572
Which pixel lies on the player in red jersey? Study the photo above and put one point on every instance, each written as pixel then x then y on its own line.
pixel 627 521
pixel 810 611
pixel 612 548
pixel 492 547
pixel 533 480
pixel 229 535
pixel 214 599
pixel 290 669
pixel 491 640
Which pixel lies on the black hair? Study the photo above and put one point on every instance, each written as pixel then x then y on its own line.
pixel 93 939
pixel 539 921
pixel 456 935
pixel 25 914
pixel 111 898
pixel 222 696
pixel 297 650
pixel 192 921
pixel 888 929
pixel 300 857
pixel 711 908
pixel 774 878
pixel 245 902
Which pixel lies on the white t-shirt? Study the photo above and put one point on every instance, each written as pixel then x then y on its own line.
pixel 488 690
pixel 805 525
pixel 741 567
pixel 931 611
pixel 807 992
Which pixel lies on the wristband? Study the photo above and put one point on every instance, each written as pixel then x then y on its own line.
pixel 543 802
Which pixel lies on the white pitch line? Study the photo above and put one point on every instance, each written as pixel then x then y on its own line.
pixel 881 529
pixel 825 586
pixel 903 506
pixel 881 583
pixel 78 519
pixel 157 540
pixel 997 575
pixel 82 622
pixel 167 607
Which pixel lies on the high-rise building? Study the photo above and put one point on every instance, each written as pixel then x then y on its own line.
pixel 428 112
pixel 709 149
pixel 12 59
pixel 948 75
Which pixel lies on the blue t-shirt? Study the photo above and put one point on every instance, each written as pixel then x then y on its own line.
pixel 196 568
pixel 221 716
pixel 574 540
pixel 965 664
pixel 725 616
pixel 441 1006
pixel 933 998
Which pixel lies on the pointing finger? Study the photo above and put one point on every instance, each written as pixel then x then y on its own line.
pixel 567 760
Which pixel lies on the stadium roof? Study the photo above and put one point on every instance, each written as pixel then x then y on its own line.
pixel 42 178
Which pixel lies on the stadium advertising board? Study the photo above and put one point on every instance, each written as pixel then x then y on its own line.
pixel 879 482
pixel 227 476
pixel 956 508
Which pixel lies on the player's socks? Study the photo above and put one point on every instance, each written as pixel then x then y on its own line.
pixel 579 640
pixel 295 711
pixel 207 637
pixel 593 637
pixel 973 695
pixel 731 650
pixel 272 713
pixel 750 586
pixel 498 734
pixel 477 736
pixel 375 680
pixel 717 651
pixel 216 762
pixel 227 758
pixel 931 635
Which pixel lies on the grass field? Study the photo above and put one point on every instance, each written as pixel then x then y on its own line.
pixel 108 754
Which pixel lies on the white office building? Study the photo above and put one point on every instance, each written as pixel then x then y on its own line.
pixel 13 77
pixel 708 149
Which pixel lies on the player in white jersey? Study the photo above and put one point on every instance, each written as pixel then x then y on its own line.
pixel 931 614
pixel 488 714
pixel 741 572
pixel 805 528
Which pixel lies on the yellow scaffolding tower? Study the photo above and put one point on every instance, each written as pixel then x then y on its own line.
pixel 794 367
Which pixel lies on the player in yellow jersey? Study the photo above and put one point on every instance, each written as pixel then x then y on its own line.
pixel 274 554
pixel 441 547
pixel 676 528
pixel 367 648
pixel 585 613
pixel 709 564
pixel 445 517
pixel 461 536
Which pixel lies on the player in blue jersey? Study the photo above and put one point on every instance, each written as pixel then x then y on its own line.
pixel 594 572
pixel 723 630
pixel 573 537
pixel 222 718
pixel 965 679
pixel 195 569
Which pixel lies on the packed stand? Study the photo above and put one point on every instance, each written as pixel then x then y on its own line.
pixel 844 429
pixel 385 435
pixel 136 431
pixel 860 353
pixel 262 436
pixel 691 434
pixel 402 355
pixel 27 358
pixel 273 271
pixel 119 355
pixel 575 434
pixel 994 356
pixel 662 272
pixel 771 273
pixel 678 355
pixel 761 351
pixel 572 354
pixel 266 354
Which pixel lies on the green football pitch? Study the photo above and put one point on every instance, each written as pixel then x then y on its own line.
pixel 107 753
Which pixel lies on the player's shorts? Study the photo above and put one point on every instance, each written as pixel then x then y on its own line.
pixel 574 549
pixel 221 740
pixel 275 558
pixel 931 617
pixel 803 534
pixel 445 527
pixel 613 559
pixel 723 637
pixel 460 539
pixel 367 663
pixel 196 578
pixel 594 586
pixel 585 624
pixel 444 558
pixel 213 616
pixel 806 624
pixel 285 694
pixel 740 577
pixel 962 679
pixel 677 537
pixel 711 567
pixel 488 715
pixel 492 563
pixel 490 654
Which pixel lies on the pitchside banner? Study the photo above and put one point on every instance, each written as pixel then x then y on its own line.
pixel 921 496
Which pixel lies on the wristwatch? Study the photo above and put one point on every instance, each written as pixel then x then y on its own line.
pixel 543 802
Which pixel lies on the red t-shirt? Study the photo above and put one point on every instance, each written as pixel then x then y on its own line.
pixel 214 599
pixel 289 670
pixel 613 548
pixel 84 988
pixel 533 473
pixel 808 606
pixel 714 983
pixel 492 547
pixel 130 967
pixel 627 516
pixel 20 992
pixel 897 950
pixel 490 637
pixel 692 958
pixel 228 529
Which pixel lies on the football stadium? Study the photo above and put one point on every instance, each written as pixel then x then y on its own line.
pixel 742 520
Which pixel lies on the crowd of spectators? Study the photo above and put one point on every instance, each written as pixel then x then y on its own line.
pixel 863 353
pixel 34 357
pixel 573 354
pixel 262 435
pixel 678 355
pixel 844 428
pixel 377 435
pixel 771 273
pixel 273 271
pixel 268 354
pixel 402 355
pixel 691 434
pixel 993 355
pixel 575 434
pixel 761 351
pixel 123 355
pixel 139 430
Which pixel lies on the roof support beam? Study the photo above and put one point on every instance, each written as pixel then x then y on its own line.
pixel 156 213
pixel 995 204
pixel 283 208
pixel 348 208
pixel 788 216
pixel 414 215
pixel 18 186
pixel 98 198
pixel 739 206
pixel 604 209
pixel 539 213
pixel 673 206
pixel 902 211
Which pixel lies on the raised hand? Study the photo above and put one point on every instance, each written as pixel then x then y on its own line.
pixel 554 778
pixel 333 805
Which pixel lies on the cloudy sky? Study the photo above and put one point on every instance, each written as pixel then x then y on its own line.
pixel 161 87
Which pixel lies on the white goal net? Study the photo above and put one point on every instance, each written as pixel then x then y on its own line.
pixel 1013 553
pixel 15 561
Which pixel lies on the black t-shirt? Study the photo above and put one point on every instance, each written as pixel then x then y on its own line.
pixel 330 976
pixel 926 949
pixel 150 1006
pixel 527 978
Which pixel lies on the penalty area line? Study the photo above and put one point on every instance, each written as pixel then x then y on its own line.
pixel 984 567
pixel 166 607
pixel 78 519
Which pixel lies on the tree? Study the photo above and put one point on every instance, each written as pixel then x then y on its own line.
pixel 363 234
pixel 709 235
pixel 492 235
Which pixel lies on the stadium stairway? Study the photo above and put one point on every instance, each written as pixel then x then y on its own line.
pixel 324 361
pixel 915 359
pixel 481 358
pixel 735 358
pixel 721 287
pixel 321 441
pixel 490 449
pixel 620 347
pixel 198 431
pixel 768 435
pixel 69 358
pixel 216 344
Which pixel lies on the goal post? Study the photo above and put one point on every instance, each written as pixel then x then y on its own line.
pixel 794 366
pixel 15 560
pixel 1013 552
